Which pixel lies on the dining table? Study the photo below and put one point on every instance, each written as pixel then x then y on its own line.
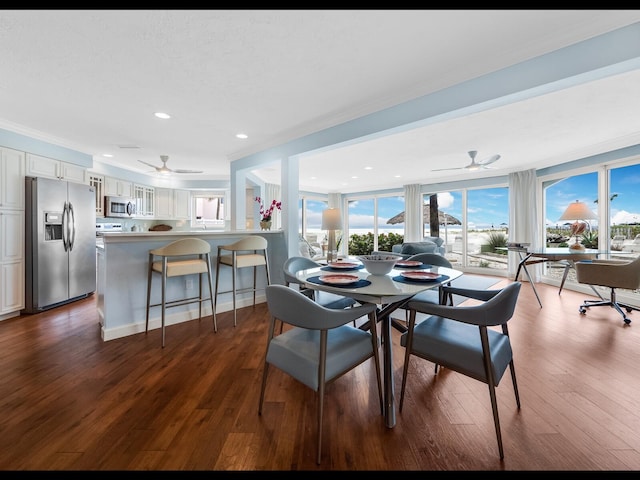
pixel 389 292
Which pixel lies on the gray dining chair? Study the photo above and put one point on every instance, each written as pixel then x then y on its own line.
pixel 320 347
pixel 330 300
pixel 459 338
pixel 431 295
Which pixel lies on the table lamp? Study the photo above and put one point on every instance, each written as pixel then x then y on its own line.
pixel 331 221
pixel 578 211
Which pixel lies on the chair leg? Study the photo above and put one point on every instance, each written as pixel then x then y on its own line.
pixel 407 355
pixel 164 295
pixel 484 338
pixel 233 288
pixel 149 276
pixel 213 311
pixel 215 296
pixel 265 372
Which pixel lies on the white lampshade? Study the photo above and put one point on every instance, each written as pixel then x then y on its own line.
pixel 331 219
pixel 578 211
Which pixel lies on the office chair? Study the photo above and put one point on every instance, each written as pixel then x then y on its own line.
pixel 320 347
pixel 458 338
pixel 612 273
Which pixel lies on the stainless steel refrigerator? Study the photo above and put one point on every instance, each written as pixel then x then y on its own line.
pixel 60 221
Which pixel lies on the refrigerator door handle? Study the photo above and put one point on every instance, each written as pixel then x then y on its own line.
pixel 72 227
pixel 65 227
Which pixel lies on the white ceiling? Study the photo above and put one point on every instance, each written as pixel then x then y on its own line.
pixel 91 80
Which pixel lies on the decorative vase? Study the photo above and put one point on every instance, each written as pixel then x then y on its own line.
pixel 265 224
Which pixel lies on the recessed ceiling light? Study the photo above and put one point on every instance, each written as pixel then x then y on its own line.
pixel 397 176
pixel 108 155
pixel 162 115
pixel 354 176
pixel 368 168
pixel 242 135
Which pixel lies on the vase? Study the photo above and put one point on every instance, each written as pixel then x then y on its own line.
pixel 265 224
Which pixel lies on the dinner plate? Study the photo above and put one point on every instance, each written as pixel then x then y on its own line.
pixel 339 279
pixel 343 265
pixel 408 263
pixel 418 275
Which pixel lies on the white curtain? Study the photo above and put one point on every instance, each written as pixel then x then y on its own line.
pixel 272 192
pixel 412 213
pixel 523 218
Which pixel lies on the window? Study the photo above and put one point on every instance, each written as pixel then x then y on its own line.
pixel 209 210
pixel 374 223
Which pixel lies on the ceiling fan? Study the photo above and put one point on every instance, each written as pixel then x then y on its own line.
pixel 166 170
pixel 473 166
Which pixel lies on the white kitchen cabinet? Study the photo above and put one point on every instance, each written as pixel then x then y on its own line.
pixel 11 261
pixel 182 204
pixel 145 200
pixel 117 187
pixel 38 166
pixel 164 203
pixel 12 173
pixel 11 288
pixel 11 179
pixel 172 204
pixel 97 182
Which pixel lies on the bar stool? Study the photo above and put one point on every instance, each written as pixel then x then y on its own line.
pixel 193 254
pixel 251 251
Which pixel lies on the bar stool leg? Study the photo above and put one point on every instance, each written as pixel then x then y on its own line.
pixel 149 276
pixel 215 298
pixel 234 269
pixel 164 294
pixel 213 308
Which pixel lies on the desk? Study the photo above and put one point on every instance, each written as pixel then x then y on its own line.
pixel 565 255
pixel 390 295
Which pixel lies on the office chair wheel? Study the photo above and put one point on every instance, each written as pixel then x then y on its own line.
pixel 627 320
pixel 582 310
pixel 628 310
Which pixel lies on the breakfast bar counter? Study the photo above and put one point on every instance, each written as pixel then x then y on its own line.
pixel 122 279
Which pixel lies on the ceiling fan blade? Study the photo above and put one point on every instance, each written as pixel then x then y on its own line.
pixel 186 171
pixel 441 169
pixel 148 164
pixel 489 160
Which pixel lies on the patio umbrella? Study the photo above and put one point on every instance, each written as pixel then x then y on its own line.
pixel 443 218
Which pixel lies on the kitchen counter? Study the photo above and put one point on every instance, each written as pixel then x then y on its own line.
pixel 122 279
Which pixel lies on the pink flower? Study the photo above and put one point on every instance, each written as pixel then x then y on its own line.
pixel 266 214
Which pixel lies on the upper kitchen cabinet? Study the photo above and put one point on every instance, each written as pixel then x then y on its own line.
pixel 38 166
pixel 172 204
pixel 182 204
pixel 97 182
pixel 11 179
pixel 164 203
pixel 117 187
pixel 145 200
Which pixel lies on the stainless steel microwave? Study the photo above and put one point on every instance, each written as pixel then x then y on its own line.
pixel 121 207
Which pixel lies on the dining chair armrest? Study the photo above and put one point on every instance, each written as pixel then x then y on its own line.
pixel 304 312
pixel 483 295
pixel 495 311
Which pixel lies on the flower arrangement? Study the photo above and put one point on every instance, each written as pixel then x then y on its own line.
pixel 266 214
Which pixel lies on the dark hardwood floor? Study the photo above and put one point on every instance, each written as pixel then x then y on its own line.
pixel 69 401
